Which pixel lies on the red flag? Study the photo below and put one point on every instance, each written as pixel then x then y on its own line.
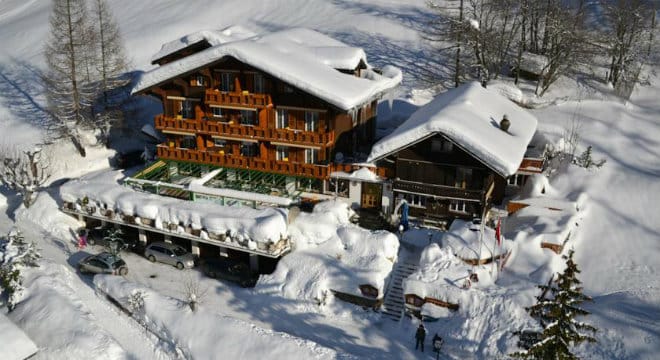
pixel 498 232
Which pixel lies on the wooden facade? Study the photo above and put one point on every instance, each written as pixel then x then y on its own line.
pixel 232 115
pixel 440 181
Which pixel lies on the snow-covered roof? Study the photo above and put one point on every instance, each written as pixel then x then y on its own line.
pixel 16 345
pixel 303 58
pixel 469 116
pixel 265 225
pixel 212 37
pixel 362 174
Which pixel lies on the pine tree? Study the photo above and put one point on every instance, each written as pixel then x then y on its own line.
pixel 556 310
pixel 111 65
pixel 115 241
pixel 67 80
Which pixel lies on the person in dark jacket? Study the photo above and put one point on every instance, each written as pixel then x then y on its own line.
pixel 420 335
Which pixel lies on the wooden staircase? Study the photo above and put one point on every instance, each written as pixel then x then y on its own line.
pixel 393 305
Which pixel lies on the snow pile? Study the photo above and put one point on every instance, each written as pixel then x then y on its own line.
pixel 332 254
pixel 204 334
pixel 15 344
pixel 547 217
pixel 102 191
pixel 362 174
pixel 464 238
pixel 468 115
pixel 443 276
pixel 58 320
pixel 293 56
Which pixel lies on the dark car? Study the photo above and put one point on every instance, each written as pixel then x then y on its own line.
pixel 231 270
pixel 109 237
pixel 103 263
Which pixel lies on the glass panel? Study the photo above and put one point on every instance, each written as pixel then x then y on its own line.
pixel 217 112
pixel 248 117
pixel 282 118
pixel 187 109
pixel 226 82
pixel 282 153
pixel 311 120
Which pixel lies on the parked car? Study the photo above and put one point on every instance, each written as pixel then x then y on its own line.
pixel 171 254
pixel 103 263
pixel 231 270
pixel 108 236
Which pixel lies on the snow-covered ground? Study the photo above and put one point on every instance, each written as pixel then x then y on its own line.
pixel 616 243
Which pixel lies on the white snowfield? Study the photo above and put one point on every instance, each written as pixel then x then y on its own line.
pixel 16 345
pixel 303 58
pixel 469 116
pixel 267 225
pixel 198 332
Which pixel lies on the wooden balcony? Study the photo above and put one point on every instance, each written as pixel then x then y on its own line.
pixel 219 128
pixel 215 97
pixel 449 192
pixel 241 162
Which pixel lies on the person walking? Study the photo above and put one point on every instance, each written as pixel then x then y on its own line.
pixel 420 335
pixel 82 239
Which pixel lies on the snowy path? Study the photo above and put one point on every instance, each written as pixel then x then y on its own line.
pixel 137 343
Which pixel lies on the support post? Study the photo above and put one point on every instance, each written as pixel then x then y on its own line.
pixel 254 262
pixel 194 247
pixel 142 237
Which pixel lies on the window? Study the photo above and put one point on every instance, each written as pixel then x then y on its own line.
pixel 415 200
pixel 287 89
pixel 199 80
pixel 516 180
pixel 248 117
pixel 188 142
pixel 282 153
pixel 219 142
pixel 227 81
pixel 311 156
pixel 311 120
pixel 463 177
pixel 249 149
pixel 441 145
pixel 217 112
pixel 259 84
pixel 187 109
pixel 282 118
pixel 458 206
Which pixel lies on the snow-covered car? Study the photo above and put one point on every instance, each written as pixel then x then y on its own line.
pixel 231 270
pixel 169 253
pixel 103 263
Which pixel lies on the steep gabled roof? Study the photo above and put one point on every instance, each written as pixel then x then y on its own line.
pixel 469 116
pixel 303 58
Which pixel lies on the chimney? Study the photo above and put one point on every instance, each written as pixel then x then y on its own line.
pixel 505 123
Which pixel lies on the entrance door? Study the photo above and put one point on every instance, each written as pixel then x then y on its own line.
pixel 372 194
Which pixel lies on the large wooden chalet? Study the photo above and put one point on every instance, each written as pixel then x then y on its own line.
pixel 295 103
pixel 453 156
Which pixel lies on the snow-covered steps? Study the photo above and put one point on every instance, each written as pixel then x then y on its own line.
pixel 393 305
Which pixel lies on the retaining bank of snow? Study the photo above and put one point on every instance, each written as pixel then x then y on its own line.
pixel 204 334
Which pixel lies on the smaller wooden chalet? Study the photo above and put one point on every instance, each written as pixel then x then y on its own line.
pixel 453 156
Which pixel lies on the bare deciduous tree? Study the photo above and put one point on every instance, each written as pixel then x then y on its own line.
pixel 24 171
pixel 69 96
pixel 628 38
pixel 111 66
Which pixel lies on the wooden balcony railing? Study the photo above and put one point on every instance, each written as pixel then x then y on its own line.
pixel 237 161
pixel 213 127
pixel 215 97
pixel 439 190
